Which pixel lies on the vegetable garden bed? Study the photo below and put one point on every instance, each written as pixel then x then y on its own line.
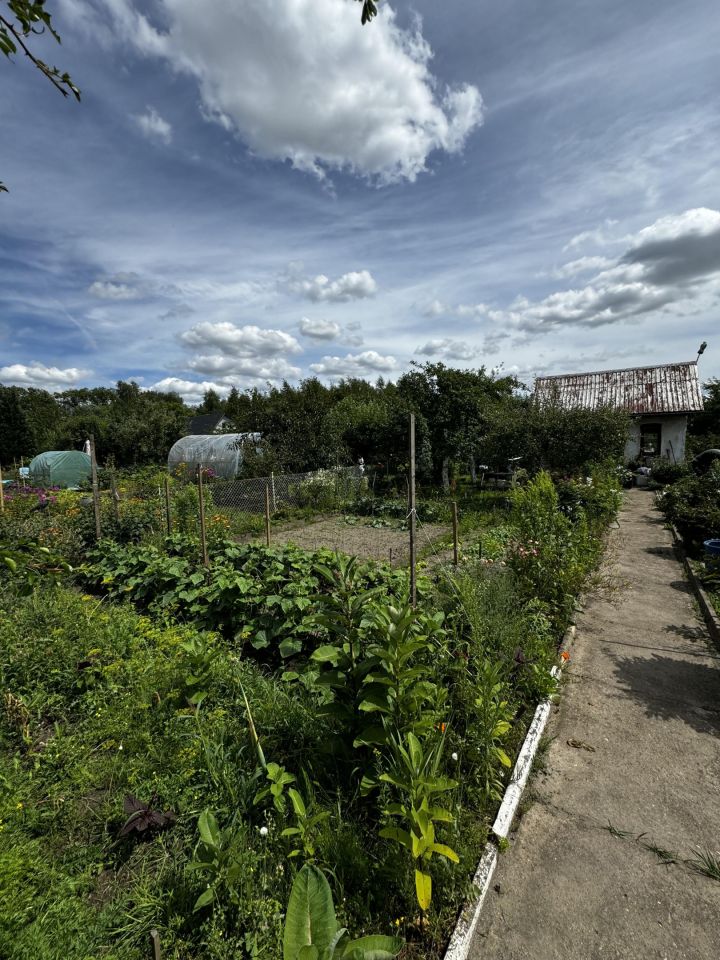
pixel 177 741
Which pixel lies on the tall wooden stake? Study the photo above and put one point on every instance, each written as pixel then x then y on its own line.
pixel 267 515
pixel 2 493
pixel 155 937
pixel 168 515
pixel 115 497
pixel 455 532
pixel 411 511
pixel 95 489
pixel 203 537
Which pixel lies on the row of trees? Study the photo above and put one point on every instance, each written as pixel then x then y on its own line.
pixel 130 425
pixel 464 418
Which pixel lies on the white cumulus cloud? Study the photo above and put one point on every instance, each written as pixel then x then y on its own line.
pixel 355 365
pixel 674 261
pixel 254 368
pixel 319 329
pixel 582 265
pixel 36 374
pixel 299 80
pixel 448 349
pixel 355 285
pixel 190 390
pixel 246 341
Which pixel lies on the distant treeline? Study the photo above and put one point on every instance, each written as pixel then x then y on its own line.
pixel 464 418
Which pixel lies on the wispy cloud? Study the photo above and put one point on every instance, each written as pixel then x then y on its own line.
pixel 153 126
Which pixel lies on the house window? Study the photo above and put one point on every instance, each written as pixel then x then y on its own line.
pixel 650 440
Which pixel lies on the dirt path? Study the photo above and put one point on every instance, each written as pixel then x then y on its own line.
pixel 643 692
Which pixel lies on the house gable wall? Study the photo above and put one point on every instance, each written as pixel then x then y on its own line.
pixel 674 428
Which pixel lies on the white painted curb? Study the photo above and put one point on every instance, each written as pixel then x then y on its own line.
pixel 459 945
pixel 461 939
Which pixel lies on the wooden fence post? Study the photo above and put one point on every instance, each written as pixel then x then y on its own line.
pixel 95 488
pixel 155 937
pixel 203 537
pixel 455 532
pixel 2 493
pixel 412 514
pixel 267 515
pixel 168 516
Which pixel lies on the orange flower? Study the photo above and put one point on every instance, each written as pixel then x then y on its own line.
pixel 565 655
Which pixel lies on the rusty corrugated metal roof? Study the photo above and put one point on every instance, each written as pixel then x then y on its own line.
pixel 668 388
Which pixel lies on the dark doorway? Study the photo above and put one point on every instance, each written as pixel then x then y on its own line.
pixel 650 441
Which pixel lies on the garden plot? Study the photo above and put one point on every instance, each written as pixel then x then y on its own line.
pixel 360 540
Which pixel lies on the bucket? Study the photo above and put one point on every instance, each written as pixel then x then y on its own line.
pixel 712 549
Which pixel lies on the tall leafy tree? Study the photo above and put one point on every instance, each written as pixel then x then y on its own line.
pixel 14 432
pixel 211 402
pixel 456 406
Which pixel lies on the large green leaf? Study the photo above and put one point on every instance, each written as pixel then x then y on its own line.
pixel 373 948
pixel 310 918
pixel 398 834
pixel 209 830
pixel 444 851
pixel 310 952
pixel 423 889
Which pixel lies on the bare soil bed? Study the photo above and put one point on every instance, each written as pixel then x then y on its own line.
pixel 370 543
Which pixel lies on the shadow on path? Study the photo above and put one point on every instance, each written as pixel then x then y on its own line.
pixel 670 689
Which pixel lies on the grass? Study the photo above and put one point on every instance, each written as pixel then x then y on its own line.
pixel 704 862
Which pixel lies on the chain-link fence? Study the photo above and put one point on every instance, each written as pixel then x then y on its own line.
pixel 321 490
pixel 335 509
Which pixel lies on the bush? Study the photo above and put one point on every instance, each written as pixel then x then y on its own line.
pixel 693 505
pixel 555 549
pixel 665 471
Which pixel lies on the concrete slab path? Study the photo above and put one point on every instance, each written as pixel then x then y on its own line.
pixel 642 691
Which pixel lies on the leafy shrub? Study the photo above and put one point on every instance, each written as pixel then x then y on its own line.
pixel 665 471
pixel 320 491
pixel 427 511
pixel 27 563
pixel 553 553
pixel 693 505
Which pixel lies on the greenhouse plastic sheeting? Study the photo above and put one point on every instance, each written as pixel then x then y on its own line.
pixel 223 454
pixel 60 468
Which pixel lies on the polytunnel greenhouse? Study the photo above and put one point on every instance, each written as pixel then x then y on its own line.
pixel 60 468
pixel 223 454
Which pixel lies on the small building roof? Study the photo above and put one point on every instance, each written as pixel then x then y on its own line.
pixel 206 423
pixel 666 388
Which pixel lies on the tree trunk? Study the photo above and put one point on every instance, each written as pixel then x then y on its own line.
pixel 446 473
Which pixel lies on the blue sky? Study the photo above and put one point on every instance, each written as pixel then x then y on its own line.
pixel 266 190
